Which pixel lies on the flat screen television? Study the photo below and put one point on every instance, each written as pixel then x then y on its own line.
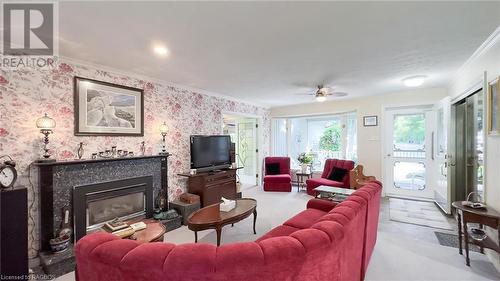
pixel 210 152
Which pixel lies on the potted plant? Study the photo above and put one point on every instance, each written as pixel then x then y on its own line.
pixel 305 160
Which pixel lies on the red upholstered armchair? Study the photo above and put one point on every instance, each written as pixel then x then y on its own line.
pixel 329 165
pixel 281 181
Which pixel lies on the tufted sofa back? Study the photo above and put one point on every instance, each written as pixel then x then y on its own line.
pixel 283 161
pixel 338 163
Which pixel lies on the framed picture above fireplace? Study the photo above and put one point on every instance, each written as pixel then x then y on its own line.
pixel 106 109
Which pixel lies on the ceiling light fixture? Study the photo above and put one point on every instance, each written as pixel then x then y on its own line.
pixel 414 81
pixel 160 50
pixel 320 98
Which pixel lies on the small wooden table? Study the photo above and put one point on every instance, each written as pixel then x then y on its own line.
pixel 211 217
pixel 300 178
pixel 486 216
pixel 153 232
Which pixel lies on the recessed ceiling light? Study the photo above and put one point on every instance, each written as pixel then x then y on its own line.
pixel 414 81
pixel 160 50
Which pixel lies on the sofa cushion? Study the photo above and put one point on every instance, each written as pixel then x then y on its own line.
pixel 321 204
pixel 281 230
pixel 272 168
pixel 323 181
pixel 305 218
pixel 337 174
pixel 278 178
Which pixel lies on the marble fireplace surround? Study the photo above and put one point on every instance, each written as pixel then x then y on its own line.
pixel 56 181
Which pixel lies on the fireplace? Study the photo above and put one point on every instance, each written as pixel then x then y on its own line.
pixel 58 180
pixel 97 203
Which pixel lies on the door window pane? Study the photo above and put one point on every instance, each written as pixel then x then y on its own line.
pixel 441 132
pixel 409 175
pixel 246 147
pixel 409 136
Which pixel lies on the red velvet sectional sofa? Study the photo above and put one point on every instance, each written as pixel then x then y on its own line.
pixel 327 241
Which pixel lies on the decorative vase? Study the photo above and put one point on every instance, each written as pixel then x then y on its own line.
pixel 305 168
pixel 161 200
pixel 80 151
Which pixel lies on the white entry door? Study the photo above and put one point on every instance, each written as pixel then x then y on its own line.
pixel 408 145
pixel 442 191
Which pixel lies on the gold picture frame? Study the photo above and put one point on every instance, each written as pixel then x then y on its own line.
pixel 493 108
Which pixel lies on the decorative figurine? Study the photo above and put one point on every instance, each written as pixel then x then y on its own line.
pixel 80 150
pixel 143 148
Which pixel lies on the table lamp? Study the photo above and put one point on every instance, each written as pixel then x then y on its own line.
pixel 163 132
pixel 46 124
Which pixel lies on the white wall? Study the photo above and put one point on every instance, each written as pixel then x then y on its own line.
pixel 369 138
pixel 472 73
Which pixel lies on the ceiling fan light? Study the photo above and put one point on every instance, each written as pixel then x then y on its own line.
pixel 320 98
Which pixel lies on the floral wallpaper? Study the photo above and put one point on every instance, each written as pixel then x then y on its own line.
pixel 26 94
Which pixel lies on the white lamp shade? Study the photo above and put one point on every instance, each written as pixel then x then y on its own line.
pixel 45 122
pixel 163 128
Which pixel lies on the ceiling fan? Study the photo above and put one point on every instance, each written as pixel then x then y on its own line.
pixel 322 92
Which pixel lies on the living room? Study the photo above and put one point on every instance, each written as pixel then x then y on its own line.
pixel 249 140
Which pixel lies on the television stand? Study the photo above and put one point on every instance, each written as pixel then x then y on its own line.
pixel 212 185
pixel 213 172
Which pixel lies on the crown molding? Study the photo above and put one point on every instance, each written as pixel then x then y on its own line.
pixel 491 41
pixel 155 80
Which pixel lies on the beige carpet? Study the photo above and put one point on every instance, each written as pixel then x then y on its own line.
pixel 419 213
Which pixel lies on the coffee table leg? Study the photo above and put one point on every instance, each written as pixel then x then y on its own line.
pixel 254 220
pixel 196 237
pixel 218 230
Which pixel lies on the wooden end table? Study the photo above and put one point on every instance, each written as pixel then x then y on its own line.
pixel 153 232
pixel 211 217
pixel 486 216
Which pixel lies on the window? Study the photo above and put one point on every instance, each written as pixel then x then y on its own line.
pixel 332 136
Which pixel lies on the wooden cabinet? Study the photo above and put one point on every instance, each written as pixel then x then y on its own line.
pixel 211 186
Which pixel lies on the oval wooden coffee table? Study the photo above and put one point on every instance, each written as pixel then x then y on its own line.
pixel 211 217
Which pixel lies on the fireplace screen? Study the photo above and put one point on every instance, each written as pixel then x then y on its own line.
pixel 124 206
pixel 98 203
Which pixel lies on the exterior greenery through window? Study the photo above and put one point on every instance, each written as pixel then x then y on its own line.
pixel 409 129
pixel 323 137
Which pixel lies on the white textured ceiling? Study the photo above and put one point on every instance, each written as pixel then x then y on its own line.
pixel 265 52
